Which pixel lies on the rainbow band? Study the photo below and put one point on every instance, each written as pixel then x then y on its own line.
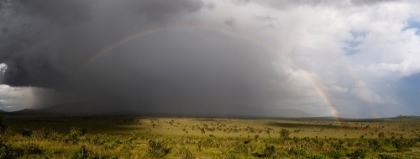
pixel 114 45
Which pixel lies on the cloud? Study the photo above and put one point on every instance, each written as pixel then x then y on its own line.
pixel 188 59
pixel 230 21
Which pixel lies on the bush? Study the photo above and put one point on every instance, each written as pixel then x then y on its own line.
pixel 75 131
pixel 186 154
pixel 284 133
pixel 26 133
pixel 157 149
pixel 336 153
pixel 31 148
pixel 297 152
pixel 41 134
pixel 268 152
pixel 318 157
pixel 381 135
pixel 402 145
pixel 6 151
pixel 74 134
pixel 360 153
pixel 388 156
pixel 375 144
pixel 81 153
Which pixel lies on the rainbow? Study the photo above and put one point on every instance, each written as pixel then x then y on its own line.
pixel 316 85
pixel 365 92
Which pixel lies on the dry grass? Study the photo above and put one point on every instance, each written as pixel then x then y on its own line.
pixel 130 137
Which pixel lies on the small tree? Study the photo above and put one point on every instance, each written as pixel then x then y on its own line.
pixel 381 135
pixel 6 151
pixel 284 133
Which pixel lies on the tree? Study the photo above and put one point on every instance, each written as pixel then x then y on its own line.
pixel 381 135
pixel 284 133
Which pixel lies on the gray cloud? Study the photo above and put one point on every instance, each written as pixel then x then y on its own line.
pixel 230 21
pixel 185 71
pixel 368 2
pixel 61 12
pixel 205 67
pixel 161 9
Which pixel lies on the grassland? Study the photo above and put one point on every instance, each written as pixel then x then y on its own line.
pixel 136 137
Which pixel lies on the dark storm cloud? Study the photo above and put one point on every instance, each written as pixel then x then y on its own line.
pixel 42 34
pixel 181 72
pixel 62 12
pixel 161 9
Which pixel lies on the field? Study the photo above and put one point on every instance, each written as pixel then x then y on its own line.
pixel 140 137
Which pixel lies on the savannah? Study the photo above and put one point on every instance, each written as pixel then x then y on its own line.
pixel 112 137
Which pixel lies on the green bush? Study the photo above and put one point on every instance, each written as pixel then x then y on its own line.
pixel 388 156
pixel 268 152
pixel 381 135
pixel 186 154
pixel 360 153
pixel 74 135
pixel 31 148
pixel 41 134
pixel 318 157
pixel 81 153
pixel 157 149
pixel 6 151
pixel 402 145
pixel 336 153
pixel 375 144
pixel 297 152
pixel 284 133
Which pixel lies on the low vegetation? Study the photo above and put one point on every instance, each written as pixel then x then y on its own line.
pixel 130 137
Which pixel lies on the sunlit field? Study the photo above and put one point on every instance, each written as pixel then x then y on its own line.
pixel 138 137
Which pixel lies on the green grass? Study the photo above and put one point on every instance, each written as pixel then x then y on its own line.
pixel 133 137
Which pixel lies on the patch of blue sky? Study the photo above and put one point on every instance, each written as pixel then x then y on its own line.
pixel 352 44
pixel 413 24
pixel 350 51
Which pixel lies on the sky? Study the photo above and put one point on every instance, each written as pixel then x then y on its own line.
pixel 349 58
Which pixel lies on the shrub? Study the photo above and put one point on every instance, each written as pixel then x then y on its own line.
pixel 268 152
pixel 74 134
pixel 186 154
pixel 318 157
pixel 297 152
pixel 26 133
pixel 6 151
pixel 360 153
pixel 336 153
pixel 284 133
pixel 41 134
pixel 81 153
pixel 77 131
pixel 157 149
pixel 375 144
pixel 381 135
pixel 402 145
pixel 31 148
pixel 388 156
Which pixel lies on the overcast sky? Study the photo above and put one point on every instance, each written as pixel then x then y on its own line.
pixel 350 58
